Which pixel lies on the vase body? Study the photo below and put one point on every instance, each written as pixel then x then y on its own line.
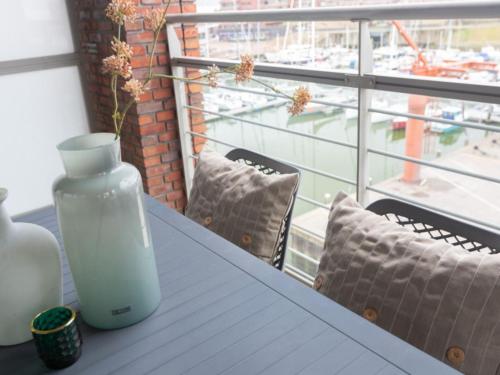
pixel 104 225
pixel 30 276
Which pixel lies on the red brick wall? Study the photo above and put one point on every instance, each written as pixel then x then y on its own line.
pixel 150 137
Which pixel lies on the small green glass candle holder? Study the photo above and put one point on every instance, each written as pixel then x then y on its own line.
pixel 57 337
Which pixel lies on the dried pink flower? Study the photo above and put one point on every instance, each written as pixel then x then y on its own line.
pixel 244 70
pixel 116 65
pixel 212 75
pixel 121 49
pixel 120 11
pixel 155 18
pixel 135 88
pixel 301 97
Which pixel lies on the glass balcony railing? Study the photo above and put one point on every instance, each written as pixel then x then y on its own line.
pixel 408 109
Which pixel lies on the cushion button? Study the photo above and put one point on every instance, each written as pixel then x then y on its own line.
pixel 455 355
pixel 246 239
pixel 370 314
pixel 318 281
pixel 207 220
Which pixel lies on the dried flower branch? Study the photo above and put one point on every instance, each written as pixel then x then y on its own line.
pixel 156 18
pixel 121 49
pixel 135 88
pixel 301 97
pixel 120 11
pixel 244 70
pixel 118 65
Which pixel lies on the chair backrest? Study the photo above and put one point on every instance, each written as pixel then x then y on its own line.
pixel 437 226
pixel 269 166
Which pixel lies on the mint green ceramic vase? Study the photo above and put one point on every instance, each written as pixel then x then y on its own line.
pixel 105 230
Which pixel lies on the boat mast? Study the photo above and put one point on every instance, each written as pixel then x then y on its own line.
pixel 300 26
pixel 287 30
pixel 450 35
pixel 313 36
pixel 258 30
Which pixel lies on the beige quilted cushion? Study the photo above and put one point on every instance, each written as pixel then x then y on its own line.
pixel 439 298
pixel 240 203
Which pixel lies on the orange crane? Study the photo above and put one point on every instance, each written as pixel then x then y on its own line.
pixel 418 103
pixel 421 66
pixel 452 69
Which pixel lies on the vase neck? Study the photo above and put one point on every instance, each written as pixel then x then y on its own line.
pixel 5 220
pixel 90 154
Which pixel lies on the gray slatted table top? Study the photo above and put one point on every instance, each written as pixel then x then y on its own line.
pixel 225 312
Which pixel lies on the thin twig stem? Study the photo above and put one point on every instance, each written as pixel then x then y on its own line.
pixel 114 83
pixel 114 80
pixel 119 116
pixel 125 110
pixel 161 75
pixel 155 42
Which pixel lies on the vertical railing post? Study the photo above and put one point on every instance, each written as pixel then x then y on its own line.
pixel 365 65
pixel 186 141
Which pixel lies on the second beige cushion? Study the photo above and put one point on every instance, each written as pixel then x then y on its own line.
pixel 438 298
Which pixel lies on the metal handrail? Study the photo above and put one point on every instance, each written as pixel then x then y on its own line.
pixel 279 71
pixel 442 10
pixel 429 86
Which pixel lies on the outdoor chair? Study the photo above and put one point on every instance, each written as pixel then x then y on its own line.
pixel 437 226
pixel 269 166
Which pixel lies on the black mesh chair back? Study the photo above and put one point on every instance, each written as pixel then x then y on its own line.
pixel 437 226
pixel 269 166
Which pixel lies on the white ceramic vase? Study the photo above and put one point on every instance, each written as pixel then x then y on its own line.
pixel 30 275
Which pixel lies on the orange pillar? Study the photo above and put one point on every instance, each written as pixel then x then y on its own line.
pixel 414 137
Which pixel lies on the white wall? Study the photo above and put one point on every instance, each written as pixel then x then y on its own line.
pixel 39 108
pixel 32 28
